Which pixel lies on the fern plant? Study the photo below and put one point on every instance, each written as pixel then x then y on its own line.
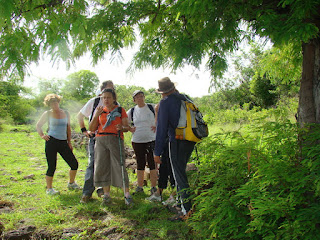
pixel 252 185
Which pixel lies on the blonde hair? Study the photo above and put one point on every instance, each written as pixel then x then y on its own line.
pixel 51 97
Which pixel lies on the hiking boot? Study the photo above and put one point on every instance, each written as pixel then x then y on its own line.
pixel 85 199
pixel 154 198
pixel 180 217
pixel 73 186
pixel 128 200
pixel 100 192
pixel 138 190
pixel 173 209
pixel 51 191
pixel 105 200
pixel 153 190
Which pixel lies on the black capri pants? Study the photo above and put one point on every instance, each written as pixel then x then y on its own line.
pixel 144 154
pixel 54 146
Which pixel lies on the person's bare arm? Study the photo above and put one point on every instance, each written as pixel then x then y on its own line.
pixel 157 159
pixel 43 119
pixel 81 117
pixel 69 134
pixel 124 126
pixel 93 125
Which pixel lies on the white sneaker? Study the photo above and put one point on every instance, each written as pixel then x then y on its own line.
pixel 154 198
pixel 128 200
pixel 170 201
pixel 51 191
pixel 73 186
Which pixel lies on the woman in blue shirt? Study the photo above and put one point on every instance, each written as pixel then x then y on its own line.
pixel 58 140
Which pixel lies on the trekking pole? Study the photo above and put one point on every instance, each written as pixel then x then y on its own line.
pixel 122 169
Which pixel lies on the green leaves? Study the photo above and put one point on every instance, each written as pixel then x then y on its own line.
pixel 6 9
pixel 173 33
pixel 12 105
pixel 80 85
pixel 252 186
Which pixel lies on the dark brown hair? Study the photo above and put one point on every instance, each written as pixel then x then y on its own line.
pixel 110 90
pixel 105 83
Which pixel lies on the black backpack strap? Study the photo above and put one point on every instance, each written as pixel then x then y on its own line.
pixel 151 108
pixel 120 111
pixel 131 113
pixel 95 104
pixel 185 97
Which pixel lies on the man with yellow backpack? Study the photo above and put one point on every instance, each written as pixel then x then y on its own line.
pixel 175 119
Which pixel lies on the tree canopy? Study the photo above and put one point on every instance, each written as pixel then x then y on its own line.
pixel 81 84
pixel 173 32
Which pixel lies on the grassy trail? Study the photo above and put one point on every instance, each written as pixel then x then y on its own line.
pixel 23 201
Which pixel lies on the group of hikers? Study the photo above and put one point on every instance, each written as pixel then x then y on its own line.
pixel 153 139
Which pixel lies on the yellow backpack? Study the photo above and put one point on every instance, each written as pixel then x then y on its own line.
pixel 191 125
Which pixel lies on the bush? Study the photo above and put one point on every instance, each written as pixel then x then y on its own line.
pixel 12 105
pixel 285 109
pixel 252 186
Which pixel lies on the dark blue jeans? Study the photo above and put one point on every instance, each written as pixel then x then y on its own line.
pixel 88 187
pixel 180 152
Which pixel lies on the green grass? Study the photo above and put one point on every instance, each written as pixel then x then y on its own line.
pixel 22 154
pixel 223 127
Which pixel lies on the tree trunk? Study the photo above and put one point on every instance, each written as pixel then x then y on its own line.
pixel 309 97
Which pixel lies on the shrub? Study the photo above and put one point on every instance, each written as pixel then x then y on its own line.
pixel 252 185
pixel 12 105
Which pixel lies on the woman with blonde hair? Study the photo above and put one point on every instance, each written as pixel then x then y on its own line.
pixel 58 140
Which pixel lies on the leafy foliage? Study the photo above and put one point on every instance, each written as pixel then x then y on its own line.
pixel 257 84
pixel 263 91
pixel 124 94
pixel 12 104
pixel 283 66
pixel 173 32
pixel 80 85
pixel 252 186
